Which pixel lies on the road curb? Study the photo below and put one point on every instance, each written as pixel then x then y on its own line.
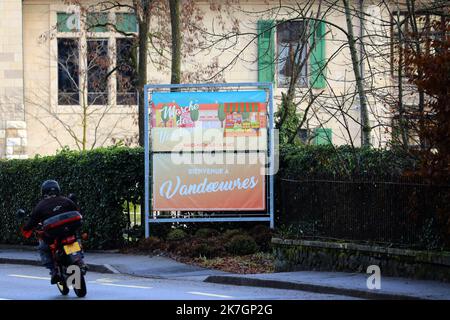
pixel 18 247
pixel 100 268
pixel 277 284
pixel 20 261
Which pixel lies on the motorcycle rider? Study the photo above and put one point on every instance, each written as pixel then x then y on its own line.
pixel 52 204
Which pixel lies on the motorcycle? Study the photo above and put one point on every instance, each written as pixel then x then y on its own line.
pixel 66 249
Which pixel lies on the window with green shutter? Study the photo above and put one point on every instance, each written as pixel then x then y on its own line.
pixel 96 22
pixel 323 136
pixel 317 55
pixel 266 51
pixel 67 22
pixel 292 48
pixel 126 22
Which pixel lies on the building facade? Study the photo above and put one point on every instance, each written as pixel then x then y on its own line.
pixel 13 126
pixel 44 43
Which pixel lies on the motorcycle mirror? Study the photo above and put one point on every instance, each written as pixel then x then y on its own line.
pixel 21 214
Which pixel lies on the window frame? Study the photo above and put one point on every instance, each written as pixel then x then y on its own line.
pixel 83 35
pixel 107 89
pixel 117 79
pixel 303 81
pixel 79 70
pixel 395 35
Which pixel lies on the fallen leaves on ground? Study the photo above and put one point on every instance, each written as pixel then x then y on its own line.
pixel 254 263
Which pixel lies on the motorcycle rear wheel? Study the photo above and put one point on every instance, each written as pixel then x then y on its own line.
pixel 82 291
pixel 63 288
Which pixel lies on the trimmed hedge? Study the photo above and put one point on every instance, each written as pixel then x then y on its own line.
pixel 102 179
pixel 304 161
pixel 366 195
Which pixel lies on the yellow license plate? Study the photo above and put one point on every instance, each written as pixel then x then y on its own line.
pixel 72 248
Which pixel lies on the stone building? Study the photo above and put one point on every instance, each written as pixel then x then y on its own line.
pixel 42 103
pixel 13 127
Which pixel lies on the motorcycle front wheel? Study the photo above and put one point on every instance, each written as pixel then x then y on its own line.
pixel 82 291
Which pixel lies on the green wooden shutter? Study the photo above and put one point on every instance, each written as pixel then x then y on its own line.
pixel 95 19
pixel 317 58
pixel 67 22
pixel 323 136
pixel 126 22
pixel 266 51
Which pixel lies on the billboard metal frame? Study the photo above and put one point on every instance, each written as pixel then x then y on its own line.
pixel 269 216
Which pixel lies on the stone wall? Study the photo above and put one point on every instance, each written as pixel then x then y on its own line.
pixel 13 135
pixel 297 255
pixel 14 138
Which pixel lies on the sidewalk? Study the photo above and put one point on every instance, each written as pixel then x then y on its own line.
pixel 349 284
pixel 110 262
pixel 341 283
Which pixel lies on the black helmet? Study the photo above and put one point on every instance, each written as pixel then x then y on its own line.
pixel 50 188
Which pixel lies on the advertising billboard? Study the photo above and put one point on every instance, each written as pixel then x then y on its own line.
pixel 209 153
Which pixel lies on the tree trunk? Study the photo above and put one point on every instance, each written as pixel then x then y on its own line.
pixel 176 41
pixel 144 25
pixel 365 125
pixel 415 31
pixel 402 124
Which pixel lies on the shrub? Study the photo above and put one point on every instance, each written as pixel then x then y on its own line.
pixel 300 161
pixel 102 179
pixel 198 247
pixel 241 245
pixel 206 233
pixel 262 235
pixel 176 235
pixel 208 249
pixel 230 233
pixel 151 244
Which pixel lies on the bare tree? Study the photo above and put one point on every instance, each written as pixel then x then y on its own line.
pixel 158 46
pixel 176 41
pixel 357 71
pixel 84 89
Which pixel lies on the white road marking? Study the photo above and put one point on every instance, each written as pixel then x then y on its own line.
pixel 28 277
pixel 120 285
pixel 209 294
pixel 100 281
pixel 105 280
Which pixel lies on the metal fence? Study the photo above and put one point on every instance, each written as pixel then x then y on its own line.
pixel 402 211
pixel 132 211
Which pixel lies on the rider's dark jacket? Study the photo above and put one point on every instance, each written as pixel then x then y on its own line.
pixel 47 208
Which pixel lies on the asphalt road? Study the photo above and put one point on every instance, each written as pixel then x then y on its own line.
pixel 18 282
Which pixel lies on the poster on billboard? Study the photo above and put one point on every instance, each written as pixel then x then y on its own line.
pixel 207 187
pixel 210 150
pixel 202 121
